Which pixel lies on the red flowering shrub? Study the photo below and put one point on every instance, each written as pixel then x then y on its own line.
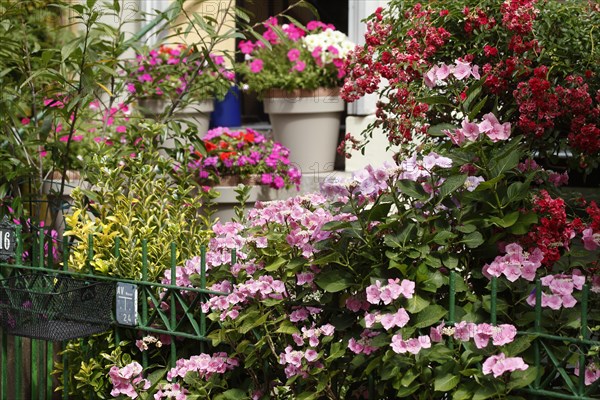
pixel 542 79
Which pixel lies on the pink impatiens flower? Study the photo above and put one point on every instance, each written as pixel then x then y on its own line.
pixel 293 54
pixel 256 65
pixel 299 66
pixel 246 46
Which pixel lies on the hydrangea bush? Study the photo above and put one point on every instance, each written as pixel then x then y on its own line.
pixel 347 294
pixel 291 57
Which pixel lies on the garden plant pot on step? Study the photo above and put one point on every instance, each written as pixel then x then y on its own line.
pixel 225 204
pixel 307 122
pixel 195 113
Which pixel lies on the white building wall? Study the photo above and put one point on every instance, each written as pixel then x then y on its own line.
pixel 361 112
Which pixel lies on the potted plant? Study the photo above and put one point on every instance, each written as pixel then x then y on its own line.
pixel 297 71
pixel 178 80
pixel 231 157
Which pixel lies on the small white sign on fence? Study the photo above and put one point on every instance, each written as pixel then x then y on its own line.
pixel 8 239
pixel 127 304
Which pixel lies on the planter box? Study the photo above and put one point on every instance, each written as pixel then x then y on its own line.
pixel 54 307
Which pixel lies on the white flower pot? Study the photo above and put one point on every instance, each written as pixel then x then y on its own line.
pixel 307 122
pixel 197 114
pixel 226 202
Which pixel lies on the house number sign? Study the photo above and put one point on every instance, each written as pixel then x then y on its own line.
pixel 8 239
pixel 127 304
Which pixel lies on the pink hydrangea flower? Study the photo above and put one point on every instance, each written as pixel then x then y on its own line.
pixel 412 346
pixel 499 364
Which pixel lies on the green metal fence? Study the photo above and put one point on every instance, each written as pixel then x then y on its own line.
pixel 26 363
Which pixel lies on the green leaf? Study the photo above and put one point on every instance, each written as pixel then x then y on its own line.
pixel 508 220
pixel 473 240
pixel 461 394
pixel 520 379
pixel 287 328
pixel 429 316
pixel 466 228
pixel 475 111
pixel 519 345
pixel 250 324
pixel 407 391
pixel 400 240
pixel 440 354
pixel 484 392
pixel 451 185
pixel 438 130
pixel 524 223
pixel 336 350
pixel 517 191
pixel 413 189
pixel 379 212
pixel 507 163
pixel 446 382
pixel 433 100
pixel 472 94
pixel 416 304
pixel 443 236
pixel 231 394
pixel 409 377
pixel 489 184
pixel 334 280
pixel 274 266
pixel 69 48
pixel 330 258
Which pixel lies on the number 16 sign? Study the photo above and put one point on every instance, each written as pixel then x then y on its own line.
pixel 8 239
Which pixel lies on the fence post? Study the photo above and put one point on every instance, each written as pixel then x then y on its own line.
pixel 537 329
pixel 173 304
pixel 65 359
pixel 584 336
pixel 202 295
pixel 117 254
pixel 144 316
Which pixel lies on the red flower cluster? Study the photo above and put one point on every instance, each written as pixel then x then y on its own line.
pixel 477 19
pixel 553 233
pixel 518 15
pixel 399 64
pixel 543 106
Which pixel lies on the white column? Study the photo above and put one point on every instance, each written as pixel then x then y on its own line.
pixel 361 112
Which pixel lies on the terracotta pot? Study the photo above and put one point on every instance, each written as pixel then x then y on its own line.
pixel 308 123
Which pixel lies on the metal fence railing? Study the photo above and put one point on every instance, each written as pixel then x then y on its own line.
pixel 26 363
